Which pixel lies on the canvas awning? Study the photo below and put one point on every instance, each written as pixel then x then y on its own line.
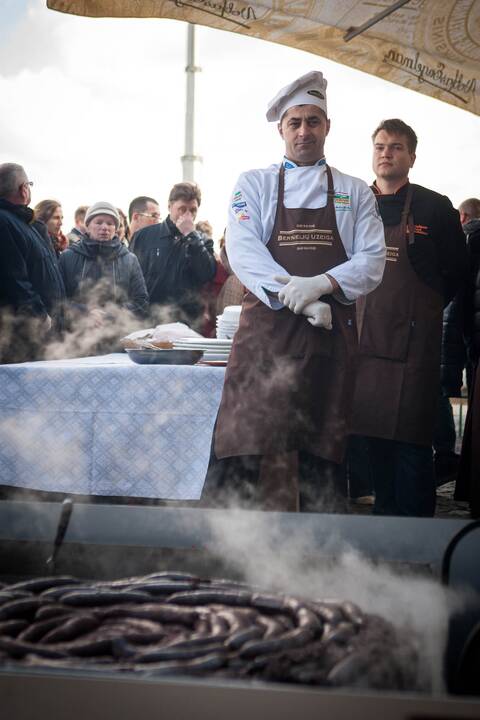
pixel 431 46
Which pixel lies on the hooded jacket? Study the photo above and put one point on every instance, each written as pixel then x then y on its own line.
pixel 102 272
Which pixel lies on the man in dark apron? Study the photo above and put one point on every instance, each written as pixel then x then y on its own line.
pixel 400 328
pixel 306 240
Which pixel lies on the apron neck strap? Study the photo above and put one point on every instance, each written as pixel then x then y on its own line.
pixel 281 182
pixel 330 190
pixel 407 217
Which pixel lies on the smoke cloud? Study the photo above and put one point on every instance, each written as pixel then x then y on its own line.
pixel 258 550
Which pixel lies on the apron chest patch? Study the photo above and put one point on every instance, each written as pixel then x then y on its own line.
pixel 305 238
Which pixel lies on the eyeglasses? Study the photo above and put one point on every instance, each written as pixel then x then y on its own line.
pixel 28 182
pixel 156 216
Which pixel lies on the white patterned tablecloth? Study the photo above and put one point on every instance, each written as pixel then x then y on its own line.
pixel 106 426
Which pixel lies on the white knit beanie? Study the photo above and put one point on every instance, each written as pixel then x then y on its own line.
pixel 102 208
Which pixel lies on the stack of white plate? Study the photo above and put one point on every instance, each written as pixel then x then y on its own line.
pixel 227 323
pixel 215 350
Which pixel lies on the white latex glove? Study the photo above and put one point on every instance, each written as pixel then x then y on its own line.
pixel 318 314
pixel 299 291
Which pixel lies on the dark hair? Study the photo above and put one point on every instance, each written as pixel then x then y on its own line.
pixel 123 218
pixel 139 204
pixel 45 209
pixel 80 212
pixel 185 191
pixel 395 126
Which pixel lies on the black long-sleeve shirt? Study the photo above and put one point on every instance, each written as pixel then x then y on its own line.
pixel 439 254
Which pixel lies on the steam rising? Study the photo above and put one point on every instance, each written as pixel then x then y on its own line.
pixel 258 550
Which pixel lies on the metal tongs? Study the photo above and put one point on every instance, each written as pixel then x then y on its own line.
pixel 63 522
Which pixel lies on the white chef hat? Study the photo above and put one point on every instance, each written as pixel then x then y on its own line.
pixel 309 89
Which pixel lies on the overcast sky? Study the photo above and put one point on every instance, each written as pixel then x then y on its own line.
pixel 94 110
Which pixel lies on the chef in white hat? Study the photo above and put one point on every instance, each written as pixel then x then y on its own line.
pixel 306 241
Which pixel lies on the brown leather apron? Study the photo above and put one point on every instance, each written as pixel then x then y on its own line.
pixel 288 384
pixel 400 325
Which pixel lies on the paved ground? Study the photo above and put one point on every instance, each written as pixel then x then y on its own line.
pixel 447 507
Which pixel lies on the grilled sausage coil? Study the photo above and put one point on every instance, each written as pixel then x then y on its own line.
pixel 169 623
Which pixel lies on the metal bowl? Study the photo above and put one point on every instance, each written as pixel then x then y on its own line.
pixel 148 356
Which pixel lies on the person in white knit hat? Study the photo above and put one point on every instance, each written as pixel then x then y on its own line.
pixel 100 273
pixel 307 241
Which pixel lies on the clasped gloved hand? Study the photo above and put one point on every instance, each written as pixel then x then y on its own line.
pixel 318 314
pixel 300 291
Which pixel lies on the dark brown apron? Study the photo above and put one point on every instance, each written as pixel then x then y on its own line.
pixel 400 326
pixel 288 384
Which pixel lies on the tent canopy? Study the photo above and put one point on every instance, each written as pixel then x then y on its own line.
pixel 431 46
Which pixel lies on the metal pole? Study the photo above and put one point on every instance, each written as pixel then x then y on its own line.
pixel 353 32
pixel 189 158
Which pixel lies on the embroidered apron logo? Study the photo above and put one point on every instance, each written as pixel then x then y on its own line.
pixel 419 230
pixel 305 238
pixel 392 253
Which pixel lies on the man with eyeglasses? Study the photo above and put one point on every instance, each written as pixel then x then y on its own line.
pixel 31 287
pixel 143 211
pixel 177 260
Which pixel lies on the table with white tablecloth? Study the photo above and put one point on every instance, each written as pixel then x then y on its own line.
pixel 106 426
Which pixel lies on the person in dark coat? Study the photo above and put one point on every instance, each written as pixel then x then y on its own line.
pixel 468 481
pixel 78 230
pixel 101 275
pixel 31 287
pixel 398 374
pixel 176 259
pixel 452 363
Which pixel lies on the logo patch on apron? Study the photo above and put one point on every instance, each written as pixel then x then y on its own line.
pixel 305 238
pixel 392 253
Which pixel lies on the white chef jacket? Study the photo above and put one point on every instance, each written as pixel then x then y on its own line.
pixel 252 216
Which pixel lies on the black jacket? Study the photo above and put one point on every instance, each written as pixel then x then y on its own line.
pixel 31 287
pixel 30 281
pixel 175 266
pixel 472 295
pixel 453 354
pixel 439 254
pixel 96 273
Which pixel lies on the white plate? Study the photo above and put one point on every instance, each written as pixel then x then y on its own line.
pixel 217 357
pixel 201 341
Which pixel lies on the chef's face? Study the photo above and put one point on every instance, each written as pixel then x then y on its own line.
pixel 304 129
pixel 392 158
pixel 101 228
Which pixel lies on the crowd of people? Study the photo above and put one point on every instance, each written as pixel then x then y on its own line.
pixel 108 274
pixel 360 313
